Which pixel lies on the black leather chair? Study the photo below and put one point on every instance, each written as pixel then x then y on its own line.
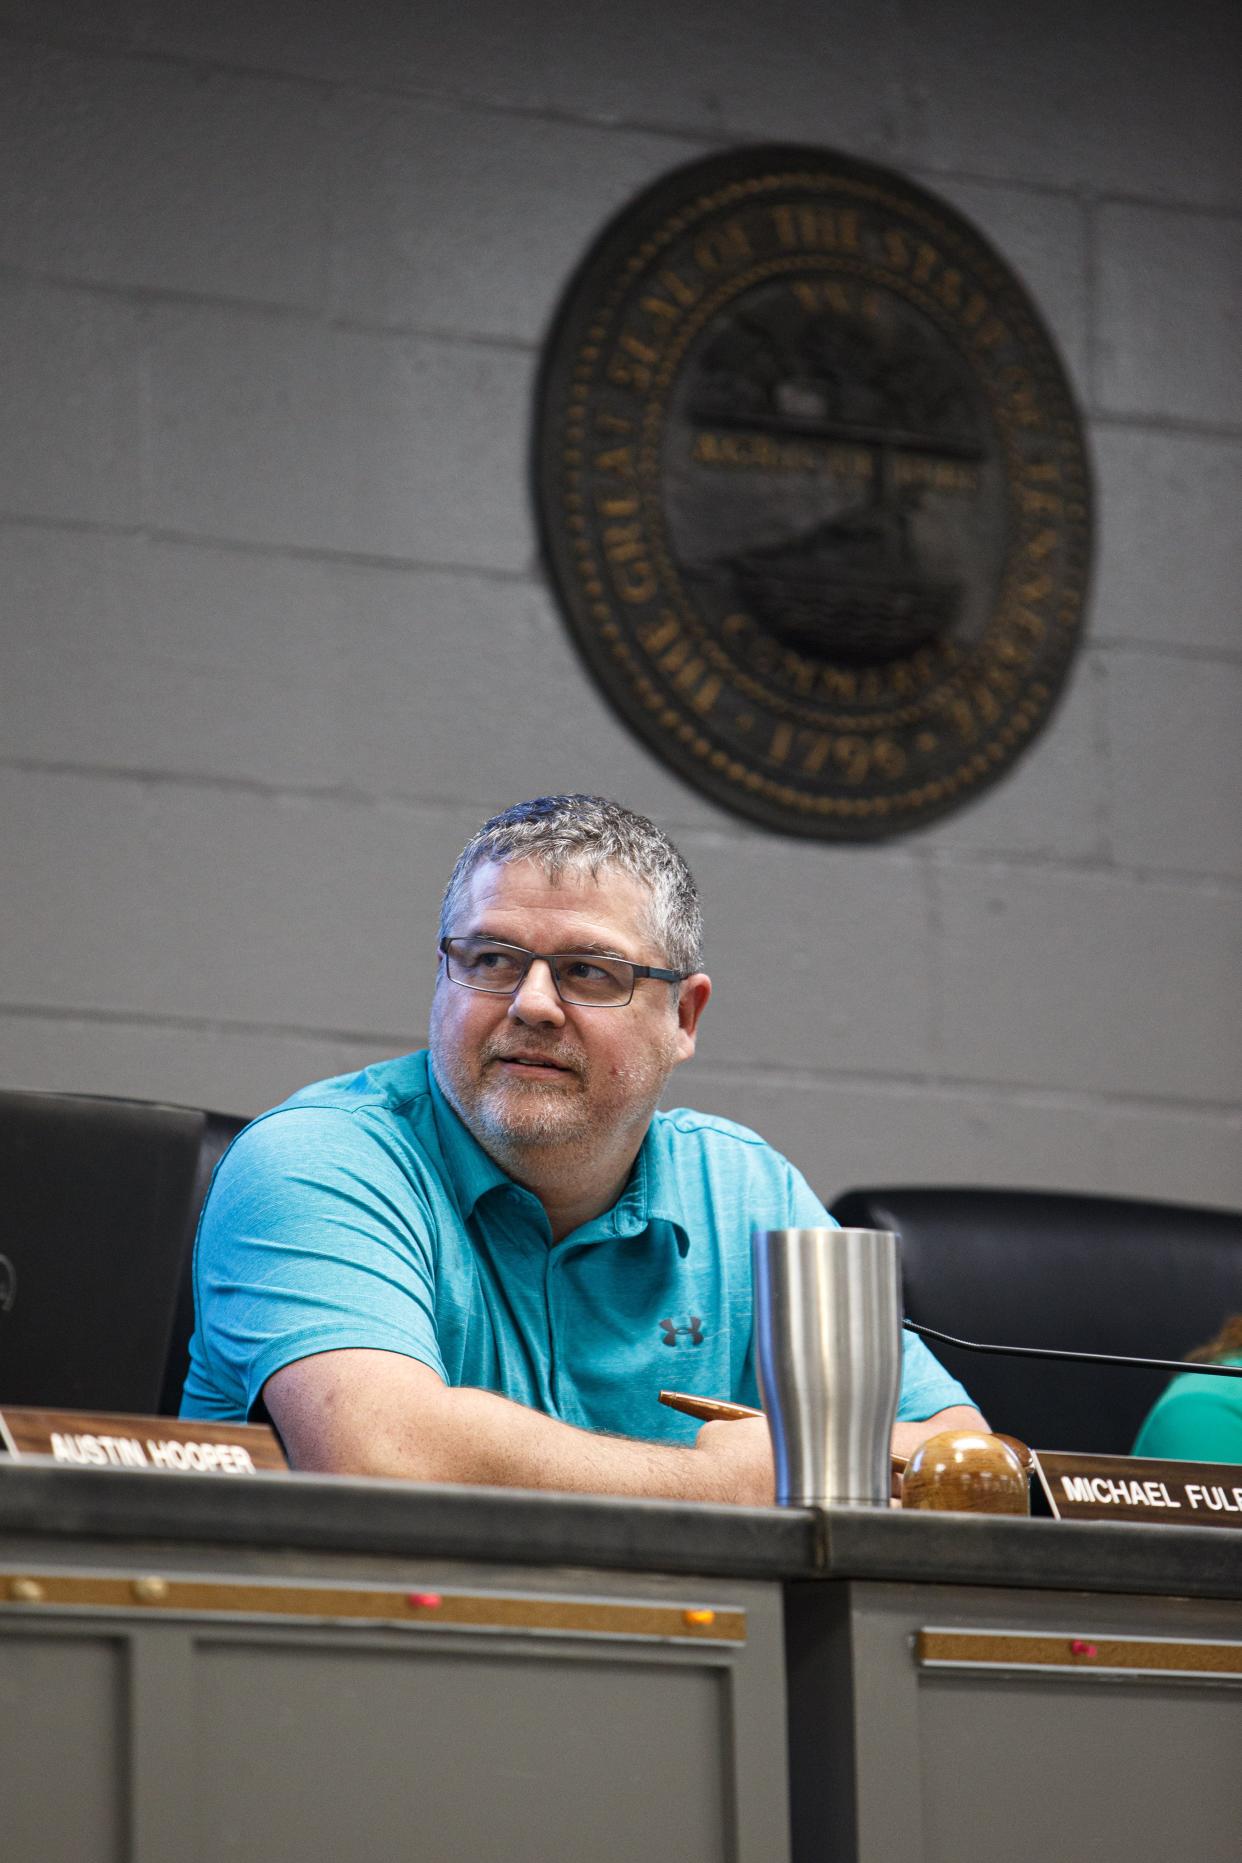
pixel 99 1200
pixel 1079 1273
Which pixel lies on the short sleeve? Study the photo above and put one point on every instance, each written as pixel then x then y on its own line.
pixel 315 1237
pixel 926 1386
pixel 805 1209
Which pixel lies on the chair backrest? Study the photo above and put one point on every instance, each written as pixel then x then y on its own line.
pixel 99 1200
pixel 1077 1273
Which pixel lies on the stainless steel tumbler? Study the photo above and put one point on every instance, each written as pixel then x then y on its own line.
pixel 828 1354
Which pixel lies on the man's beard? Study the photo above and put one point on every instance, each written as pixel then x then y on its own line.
pixel 514 1116
pixel 509 1113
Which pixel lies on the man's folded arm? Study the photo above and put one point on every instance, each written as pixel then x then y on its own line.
pixel 362 1412
pixel 358 1412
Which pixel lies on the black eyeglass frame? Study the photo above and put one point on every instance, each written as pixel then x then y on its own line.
pixel 551 958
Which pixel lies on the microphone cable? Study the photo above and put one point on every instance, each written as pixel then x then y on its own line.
pixel 1075 1358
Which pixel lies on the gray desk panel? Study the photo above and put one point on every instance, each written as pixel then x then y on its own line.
pixel 147 1732
pixel 891 1760
pixel 197 1737
pixel 62 1735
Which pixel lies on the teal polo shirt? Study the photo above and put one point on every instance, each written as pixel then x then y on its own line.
pixel 363 1213
pixel 1196 1418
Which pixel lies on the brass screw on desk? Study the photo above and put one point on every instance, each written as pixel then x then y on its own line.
pixel 26 1591
pixel 150 1590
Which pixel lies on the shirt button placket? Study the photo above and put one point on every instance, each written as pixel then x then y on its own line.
pixel 554 1356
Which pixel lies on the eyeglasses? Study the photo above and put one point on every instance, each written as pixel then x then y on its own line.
pixel 580 977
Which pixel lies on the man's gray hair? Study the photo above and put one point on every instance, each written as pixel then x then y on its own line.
pixel 588 833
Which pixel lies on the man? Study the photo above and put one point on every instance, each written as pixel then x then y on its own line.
pixel 481 1262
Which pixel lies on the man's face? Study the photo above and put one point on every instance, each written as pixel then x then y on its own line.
pixel 529 1071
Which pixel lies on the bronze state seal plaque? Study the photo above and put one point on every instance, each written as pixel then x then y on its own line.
pixel 813 491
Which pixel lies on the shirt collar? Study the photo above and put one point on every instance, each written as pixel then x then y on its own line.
pixel 653 1194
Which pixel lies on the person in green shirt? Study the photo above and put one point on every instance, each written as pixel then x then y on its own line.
pixel 1198 1418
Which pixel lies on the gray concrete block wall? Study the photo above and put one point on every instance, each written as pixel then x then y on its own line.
pixel 273 282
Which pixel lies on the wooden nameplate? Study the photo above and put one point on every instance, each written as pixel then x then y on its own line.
pixel 1124 1487
pixel 171 1445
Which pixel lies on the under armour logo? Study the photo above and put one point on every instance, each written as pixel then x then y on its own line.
pixel 673 1332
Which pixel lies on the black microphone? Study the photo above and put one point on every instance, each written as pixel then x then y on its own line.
pixel 1075 1358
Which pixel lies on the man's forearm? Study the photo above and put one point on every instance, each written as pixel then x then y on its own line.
pixel 495 1441
pixel 526 1443
pixel 378 1413
pixel 908 1436
pixel 365 1413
